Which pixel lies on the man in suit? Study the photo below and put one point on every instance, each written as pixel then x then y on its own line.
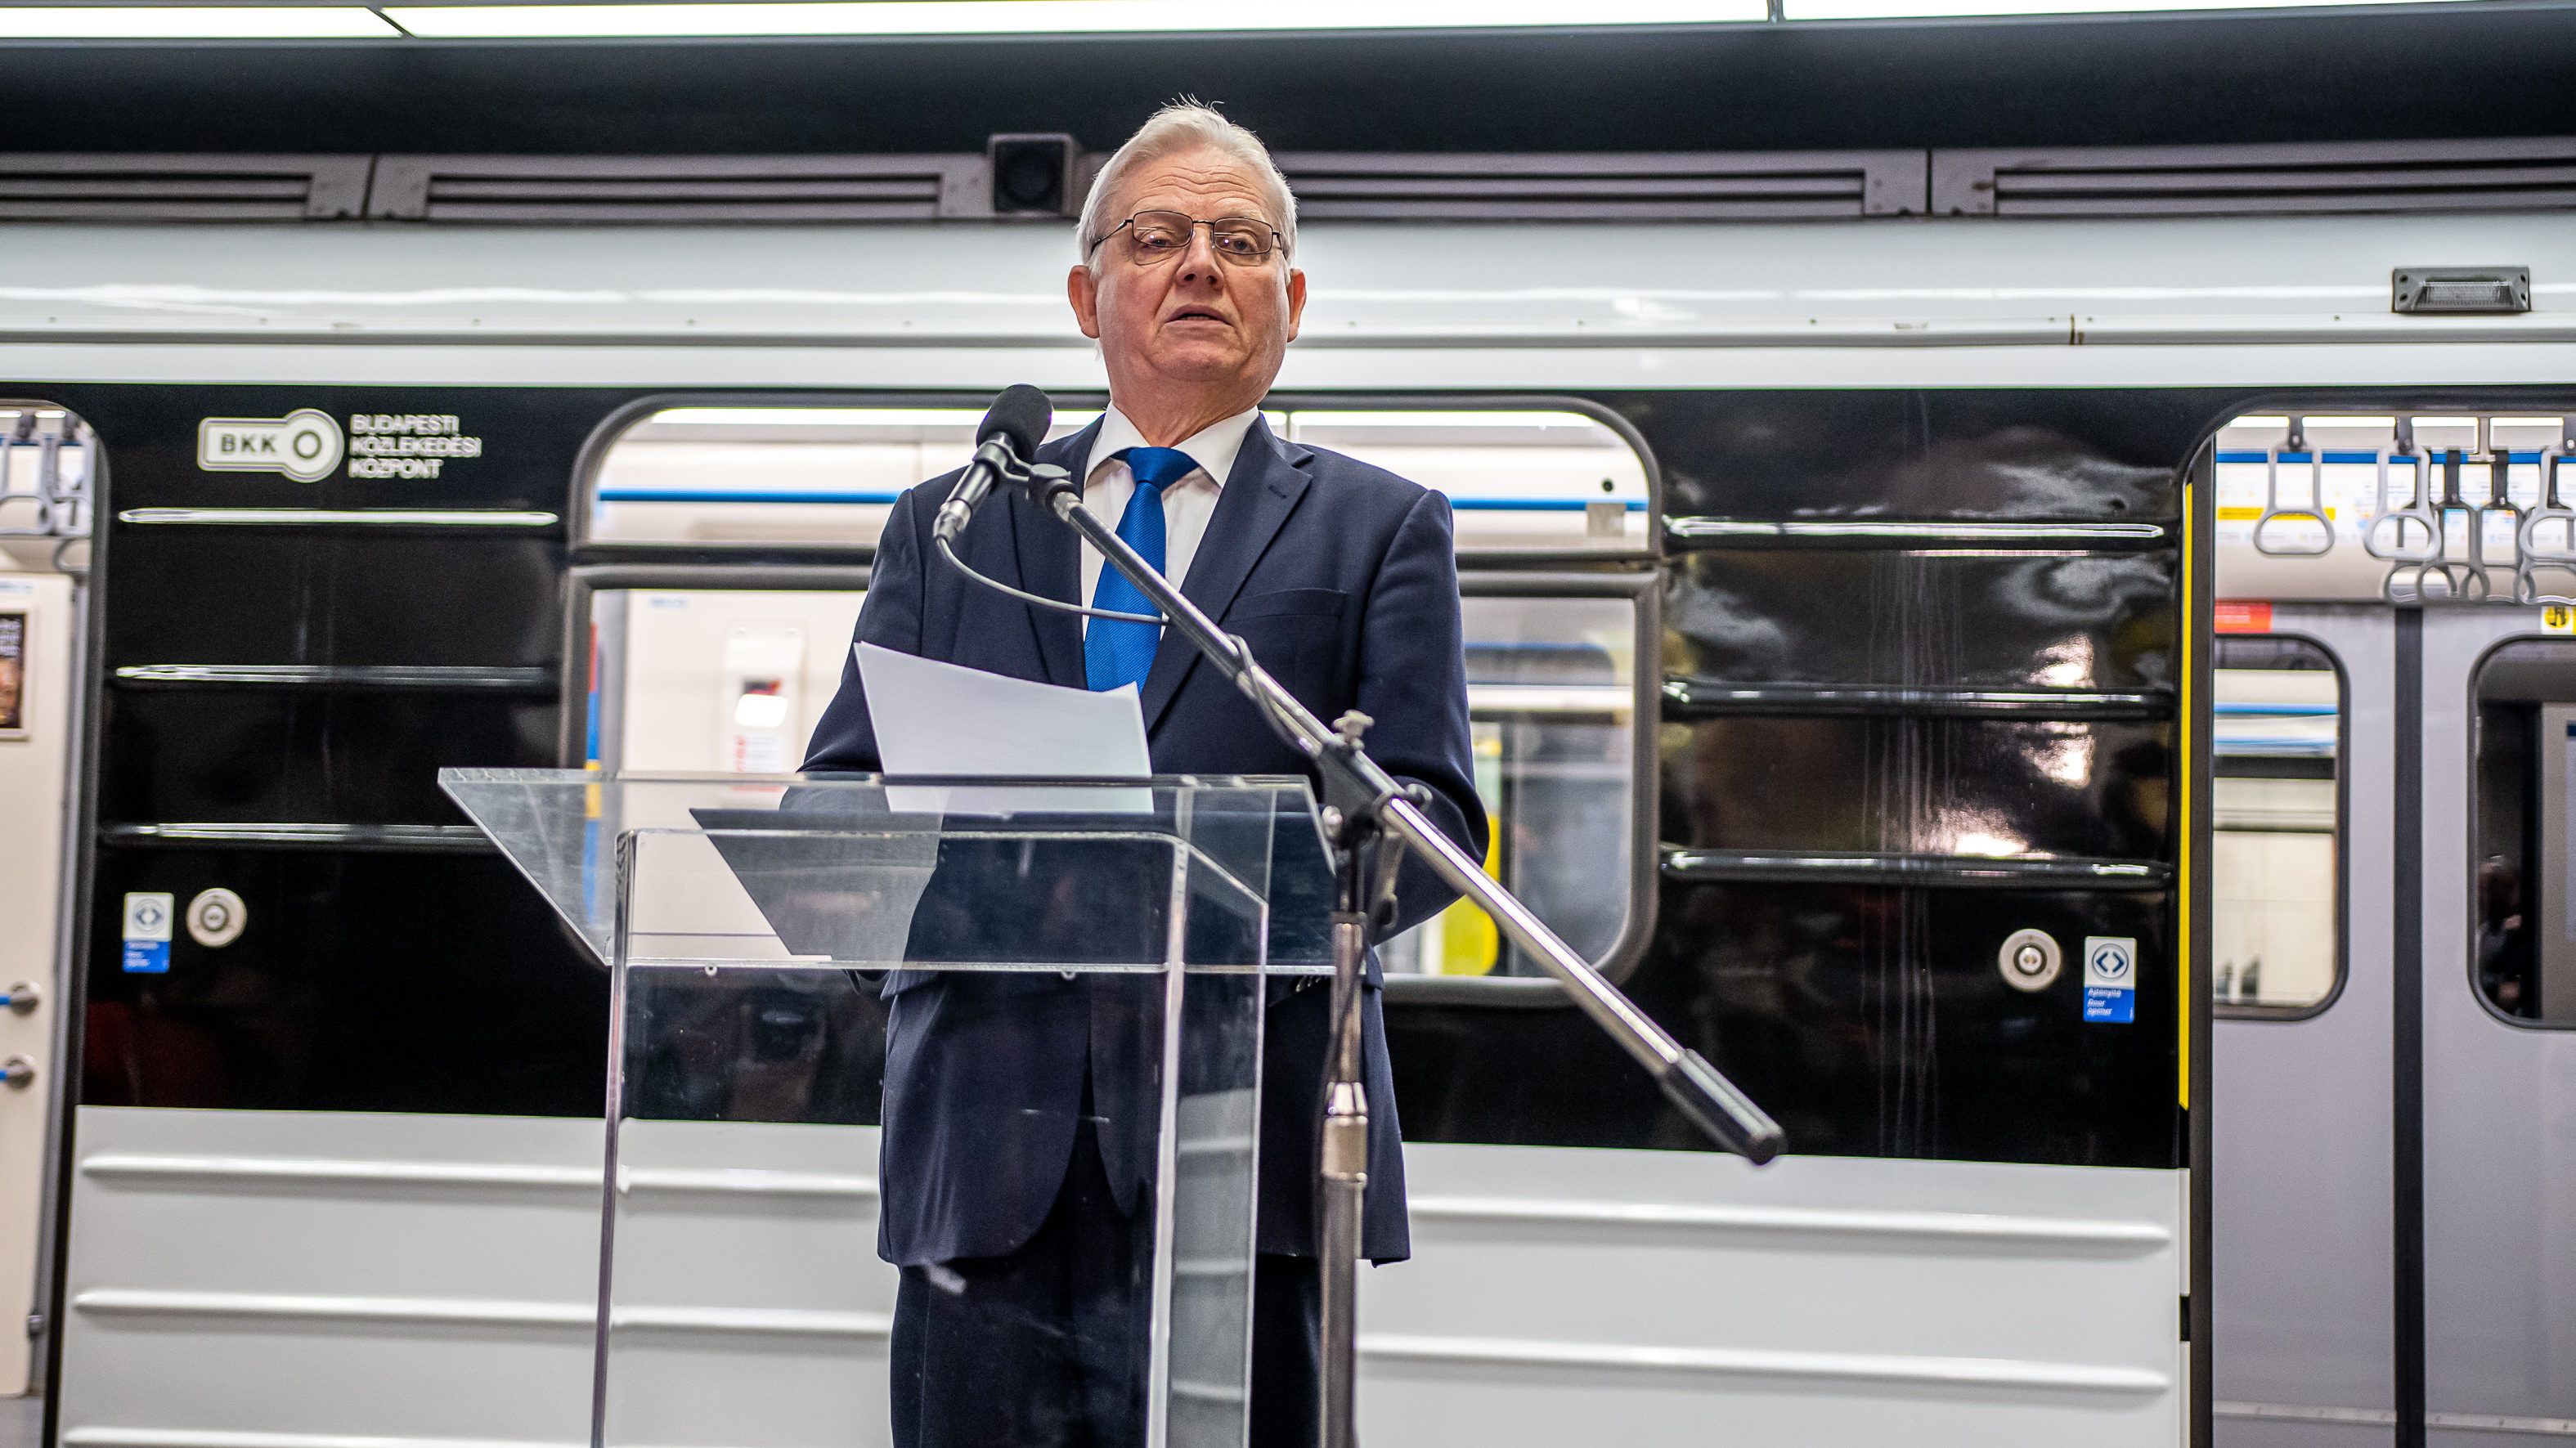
pixel 1010 1189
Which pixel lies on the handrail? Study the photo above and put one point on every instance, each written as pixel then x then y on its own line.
pixel 515 679
pixel 1705 534
pixel 1914 870
pixel 1712 698
pixel 464 839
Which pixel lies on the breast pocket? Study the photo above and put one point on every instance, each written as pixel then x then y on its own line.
pixel 1296 634
pixel 1316 603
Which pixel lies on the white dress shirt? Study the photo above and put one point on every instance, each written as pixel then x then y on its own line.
pixel 1107 485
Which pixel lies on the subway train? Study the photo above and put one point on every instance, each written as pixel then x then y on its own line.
pixel 2063 710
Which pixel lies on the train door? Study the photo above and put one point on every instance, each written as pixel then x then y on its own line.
pixel 45 463
pixel 2498 1025
pixel 2396 1141
pixel 2302 978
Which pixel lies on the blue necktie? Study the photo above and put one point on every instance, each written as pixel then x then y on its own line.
pixel 1115 653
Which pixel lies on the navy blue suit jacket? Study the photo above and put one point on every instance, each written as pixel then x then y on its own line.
pixel 1343 578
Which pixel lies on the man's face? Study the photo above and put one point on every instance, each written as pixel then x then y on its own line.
pixel 1194 321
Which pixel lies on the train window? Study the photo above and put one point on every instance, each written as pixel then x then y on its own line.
pixel 707 666
pixel 1517 481
pixel 2523 954
pixel 816 477
pixel 2276 804
pixel 44 472
pixel 824 477
pixel 1552 693
pixel 714 680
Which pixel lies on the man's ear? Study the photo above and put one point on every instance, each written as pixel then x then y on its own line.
pixel 1296 300
pixel 1083 290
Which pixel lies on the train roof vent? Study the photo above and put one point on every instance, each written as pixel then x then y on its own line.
pixel 111 188
pixel 678 189
pixel 2495 175
pixel 1673 186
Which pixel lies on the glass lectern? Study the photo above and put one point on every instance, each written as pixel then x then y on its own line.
pixel 767 937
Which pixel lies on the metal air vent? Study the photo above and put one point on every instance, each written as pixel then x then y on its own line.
pixel 2500 175
pixel 111 188
pixel 679 189
pixel 1679 186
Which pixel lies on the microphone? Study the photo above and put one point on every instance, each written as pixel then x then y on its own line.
pixel 1009 433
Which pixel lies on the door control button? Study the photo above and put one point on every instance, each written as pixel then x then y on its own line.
pixel 2029 960
pixel 216 917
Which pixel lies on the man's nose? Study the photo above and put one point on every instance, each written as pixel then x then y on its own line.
pixel 1199 262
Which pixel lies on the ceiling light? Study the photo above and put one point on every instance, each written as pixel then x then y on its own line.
pixel 1961 9
pixel 193 22
pixel 1038 17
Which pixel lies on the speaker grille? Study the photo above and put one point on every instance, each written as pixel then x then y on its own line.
pixel 1676 186
pixel 2498 175
pixel 114 188
pixel 678 189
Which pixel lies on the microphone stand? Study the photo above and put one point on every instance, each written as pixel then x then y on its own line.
pixel 1364 807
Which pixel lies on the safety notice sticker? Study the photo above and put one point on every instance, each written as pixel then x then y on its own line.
pixel 2111 978
pixel 147 932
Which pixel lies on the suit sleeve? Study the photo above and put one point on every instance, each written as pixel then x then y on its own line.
pixel 1413 683
pixel 845 740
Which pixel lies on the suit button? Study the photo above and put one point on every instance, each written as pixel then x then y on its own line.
pixel 1068 975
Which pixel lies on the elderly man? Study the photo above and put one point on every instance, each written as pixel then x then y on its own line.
pixel 1010 1191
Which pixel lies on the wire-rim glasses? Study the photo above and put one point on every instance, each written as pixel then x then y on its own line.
pixel 1154 237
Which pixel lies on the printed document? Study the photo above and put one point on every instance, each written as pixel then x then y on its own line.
pixel 941 719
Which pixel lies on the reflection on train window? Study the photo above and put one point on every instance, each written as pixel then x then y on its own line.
pixel 1552 692
pixel 825 477
pixel 2276 807
pixel 2523 958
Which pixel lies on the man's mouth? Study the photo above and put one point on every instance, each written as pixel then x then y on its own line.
pixel 1195 314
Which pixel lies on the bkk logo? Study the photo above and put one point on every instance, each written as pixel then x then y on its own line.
pixel 304 444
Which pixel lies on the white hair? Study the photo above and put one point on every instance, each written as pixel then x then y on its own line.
pixel 1187 125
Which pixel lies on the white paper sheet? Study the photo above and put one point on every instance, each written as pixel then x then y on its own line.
pixel 933 718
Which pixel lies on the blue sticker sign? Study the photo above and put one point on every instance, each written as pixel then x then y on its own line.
pixel 148 918
pixel 2111 978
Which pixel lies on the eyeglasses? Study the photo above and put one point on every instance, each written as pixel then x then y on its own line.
pixel 1158 236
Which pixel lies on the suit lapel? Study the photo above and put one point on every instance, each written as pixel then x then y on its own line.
pixel 1258 496
pixel 1051 565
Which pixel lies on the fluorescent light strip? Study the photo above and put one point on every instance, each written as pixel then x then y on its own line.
pixel 1041 17
pixel 193 22
pixel 1963 9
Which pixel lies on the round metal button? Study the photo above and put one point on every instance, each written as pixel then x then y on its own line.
pixel 2029 960
pixel 216 917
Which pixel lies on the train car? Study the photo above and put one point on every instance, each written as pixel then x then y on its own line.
pixel 1868 669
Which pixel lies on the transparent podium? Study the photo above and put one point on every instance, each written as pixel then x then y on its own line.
pixel 967 981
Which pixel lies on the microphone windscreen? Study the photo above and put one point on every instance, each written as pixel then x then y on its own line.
pixel 1021 415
